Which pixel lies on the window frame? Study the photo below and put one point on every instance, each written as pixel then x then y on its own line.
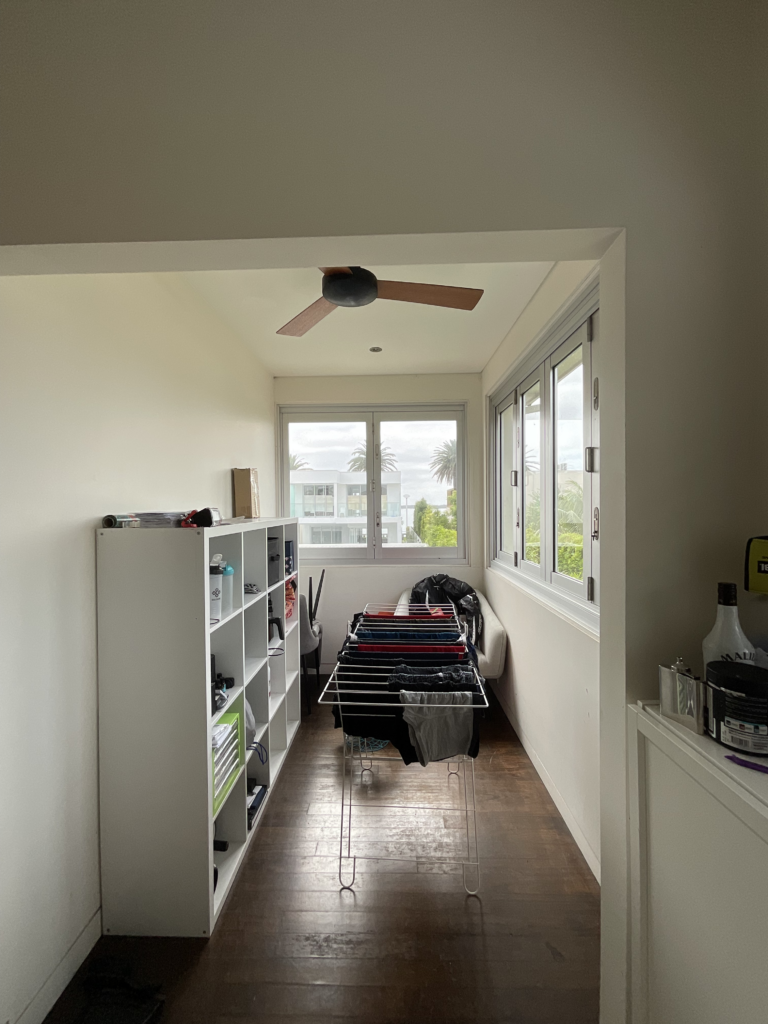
pixel 375 551
pixel 577 325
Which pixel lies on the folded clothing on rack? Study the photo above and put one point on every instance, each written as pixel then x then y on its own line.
pixel 384 719
pixel 403 648
pixel 394 656
pixel 406 634
pixel 428 659
pixel 435 678
pixel 440 724
pixel 432 685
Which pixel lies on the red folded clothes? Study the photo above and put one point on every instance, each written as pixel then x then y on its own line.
pixel 411 617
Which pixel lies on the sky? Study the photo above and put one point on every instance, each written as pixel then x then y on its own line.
pixel 569 409
pixel 569 406
pixel 330 445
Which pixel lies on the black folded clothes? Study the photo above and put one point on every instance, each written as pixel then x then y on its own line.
pixel 349 655
pixel 426 730
pixel 441 678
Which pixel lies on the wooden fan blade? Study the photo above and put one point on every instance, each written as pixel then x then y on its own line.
pixel 307 319
pixel 335 270
pixel 430 294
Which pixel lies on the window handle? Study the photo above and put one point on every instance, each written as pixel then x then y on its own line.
pixel 596 524
pixel 590 460
pixel 513 478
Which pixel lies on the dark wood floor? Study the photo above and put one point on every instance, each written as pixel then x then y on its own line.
pixel 408 946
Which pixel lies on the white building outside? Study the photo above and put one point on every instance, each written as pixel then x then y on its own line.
pixel 332 507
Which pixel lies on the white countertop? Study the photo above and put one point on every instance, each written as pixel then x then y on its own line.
pixel 751 782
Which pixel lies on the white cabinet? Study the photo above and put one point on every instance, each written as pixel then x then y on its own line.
pixel 699 860
pixel 155 718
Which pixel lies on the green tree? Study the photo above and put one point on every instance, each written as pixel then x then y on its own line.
pixel 433 527
pixel 438 529
pixel 419 509
pixel 443 463
pixel 570 530
pixel 452 516
pixel 358 462
pixel 297 462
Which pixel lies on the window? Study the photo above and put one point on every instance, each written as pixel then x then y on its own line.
pixel 357 500
pixel 325 536
pixel 335 460
pixel 544 451
pixel 318 499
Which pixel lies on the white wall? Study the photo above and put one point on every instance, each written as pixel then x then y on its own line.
pixel 347 588
pixel 118 393
pixel 144 121
pixel 550 686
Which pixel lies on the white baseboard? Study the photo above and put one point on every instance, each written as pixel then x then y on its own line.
pixel 589 854
pixel 57 981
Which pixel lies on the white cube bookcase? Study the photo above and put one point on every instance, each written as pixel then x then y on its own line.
pixel 155 719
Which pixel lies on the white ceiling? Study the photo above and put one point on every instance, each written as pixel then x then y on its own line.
pixel 413 338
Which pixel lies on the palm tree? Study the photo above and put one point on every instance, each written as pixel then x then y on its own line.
pixel 358 462
pixel 570 503
pixel 532 460
pixel 443 464
pixel 297 462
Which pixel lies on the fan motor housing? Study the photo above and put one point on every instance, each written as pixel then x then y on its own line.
pixel 356 289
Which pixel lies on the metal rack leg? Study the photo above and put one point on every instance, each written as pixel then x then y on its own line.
pixel 473 853
pixel 363 767
pixel 346 821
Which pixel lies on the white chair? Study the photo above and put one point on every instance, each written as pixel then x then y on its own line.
pixel 492 649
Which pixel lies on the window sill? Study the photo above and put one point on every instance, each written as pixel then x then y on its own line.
pixel 582 616
pixel 328 558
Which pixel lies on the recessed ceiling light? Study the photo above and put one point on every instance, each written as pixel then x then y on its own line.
pixel 374 349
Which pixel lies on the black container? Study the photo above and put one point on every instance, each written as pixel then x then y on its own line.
pixel 274 561
pixel 737 706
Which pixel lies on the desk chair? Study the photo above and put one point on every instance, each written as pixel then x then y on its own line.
pixel 311 641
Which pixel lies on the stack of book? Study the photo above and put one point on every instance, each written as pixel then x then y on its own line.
pixel 226 755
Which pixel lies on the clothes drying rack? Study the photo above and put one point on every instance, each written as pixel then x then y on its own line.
pixel 424 630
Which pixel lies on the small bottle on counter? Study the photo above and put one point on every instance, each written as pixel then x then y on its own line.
pixel 727 640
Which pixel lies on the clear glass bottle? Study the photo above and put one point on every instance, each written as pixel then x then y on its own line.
pixel 727 640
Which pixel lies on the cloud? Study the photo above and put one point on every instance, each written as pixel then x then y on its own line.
pixel 413 442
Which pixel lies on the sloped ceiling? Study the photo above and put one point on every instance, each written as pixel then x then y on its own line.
pixel 413 338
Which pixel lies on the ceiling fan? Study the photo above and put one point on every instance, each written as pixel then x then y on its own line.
pixel 356 286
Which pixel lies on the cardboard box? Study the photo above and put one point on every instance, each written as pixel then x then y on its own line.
pixel 245 490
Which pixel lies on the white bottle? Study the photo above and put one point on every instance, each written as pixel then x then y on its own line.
pixel 227 590
pixel 727 640
pixel 215 577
